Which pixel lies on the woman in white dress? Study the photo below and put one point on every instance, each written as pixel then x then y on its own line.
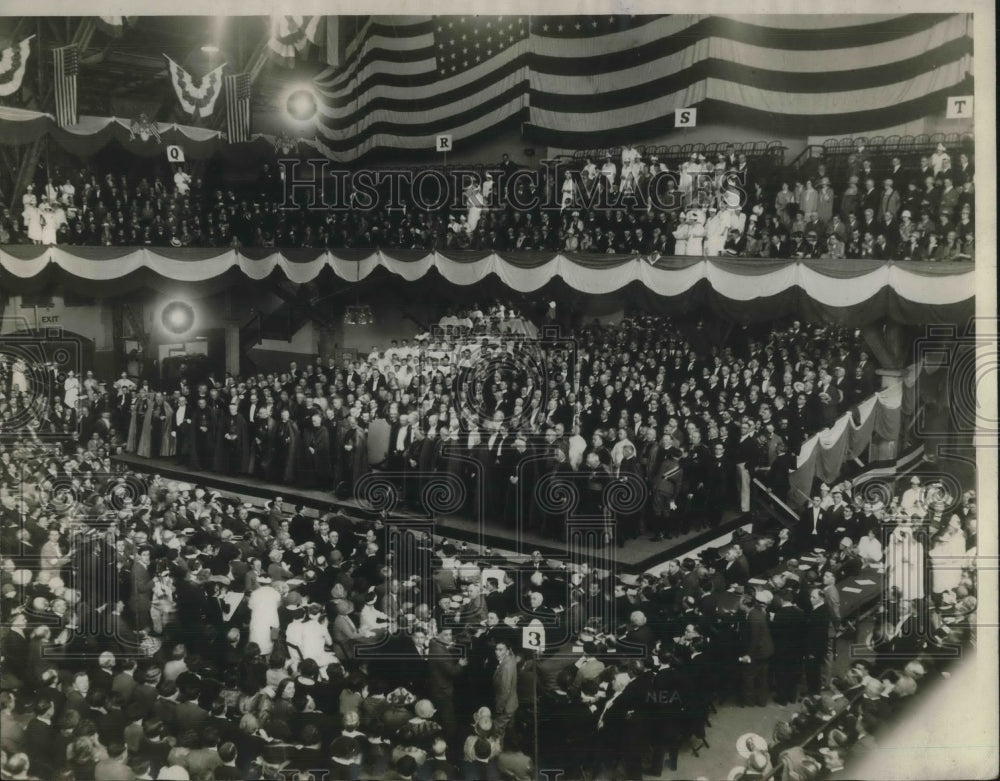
pixel 71 390
pixel 264 623
pixel 49 223
pixel 18 377
pixel 696 233
pixel 568 191
pixel 474 199
pixel 681 235
pixel 905 563
pixel 314 638
pixel 715 233
pixel 33 222
pixel 946 557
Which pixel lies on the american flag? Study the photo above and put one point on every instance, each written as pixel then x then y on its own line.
pixel 581 82
pixel 238 107
pixel 67 64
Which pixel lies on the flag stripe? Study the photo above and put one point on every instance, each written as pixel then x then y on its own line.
pixel 547 95
pixel 486 102
pixel 561 94
pixel 934 46
pixel 659 41
pixel 381 39
pixel 238 107
pixel 65 63
pixel 575 120
pixel 584 78
pixel 481 127
pixel 778 124
pixel 408 72
pixel 436 93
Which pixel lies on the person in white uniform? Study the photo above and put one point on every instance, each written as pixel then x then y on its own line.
pixel 71 389
pixel 264 623
pixel 696 233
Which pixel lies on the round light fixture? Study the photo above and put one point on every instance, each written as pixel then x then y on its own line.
pixel 177 317
pixel 301 105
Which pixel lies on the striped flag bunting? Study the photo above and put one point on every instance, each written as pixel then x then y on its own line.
pixel 293 35
pixel 198 100
pixel 238 107
pixel 587 81
pixel 66 61
pixel 13 61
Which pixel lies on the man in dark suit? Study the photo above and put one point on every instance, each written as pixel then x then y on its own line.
pixel 786 632
pixel 758 648
pixel 736 569
pixel 811 529
pixel 815 642
pixel 39 736
pixel 444 667
pixel 718 483
pixel 141 598
pixel 618 734
pixel 516 498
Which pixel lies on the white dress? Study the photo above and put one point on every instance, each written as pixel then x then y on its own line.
pixel 567 193
pixel 33 222
pixel 71 391
pixel 313 639
pixel 475 201
pixel 264 603
pixel 50 224
pixel 681 239
pixel 715 235
pixel 18 378
pixel 696 237
pixel 906 566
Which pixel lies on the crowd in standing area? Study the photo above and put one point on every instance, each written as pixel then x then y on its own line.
pixel 162 630
pixel 685 425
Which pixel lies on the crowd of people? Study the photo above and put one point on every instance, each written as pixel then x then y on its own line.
pixel 684 425
pixel 881 207
pixel 157 629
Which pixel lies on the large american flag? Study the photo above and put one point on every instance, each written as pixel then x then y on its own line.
pixel 577 82
pixel 66 60
pixel 238 107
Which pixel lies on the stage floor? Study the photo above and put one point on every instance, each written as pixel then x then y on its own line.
pixel 635 557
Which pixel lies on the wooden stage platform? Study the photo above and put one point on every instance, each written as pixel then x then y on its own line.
pixel 635 557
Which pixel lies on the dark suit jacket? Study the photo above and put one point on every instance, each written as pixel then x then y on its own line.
pixel 757 642
pixel 443 668
pixel 736 571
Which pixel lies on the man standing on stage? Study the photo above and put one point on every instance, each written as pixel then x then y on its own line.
pixel 265 434
pixel 315 472
pixel 666 490
pixel 203 426
pixel 181 430
pixel 232 446
pixel 286 454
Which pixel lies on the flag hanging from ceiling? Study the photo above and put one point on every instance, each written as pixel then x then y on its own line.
pixel 66 61
pixel 12 63
pixel 238 107
pixel 292 35
pixel 407 79
pixel 198 100
pixel 588 81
